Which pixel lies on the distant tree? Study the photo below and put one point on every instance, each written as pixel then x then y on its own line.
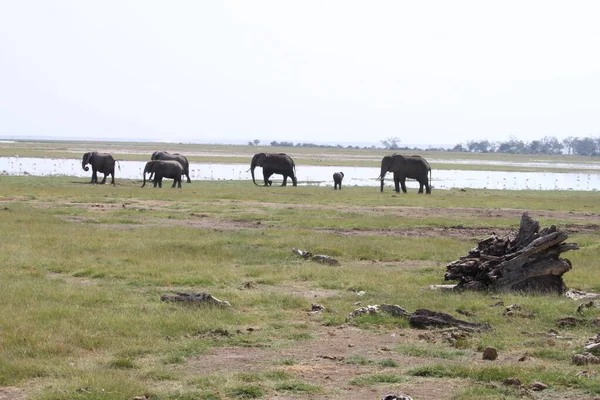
pixel 256 142
pixel 513 146
pixel 551 145
pixel 459 148
pixel 482 146
pixel 391 143
pixel 584 147
pixel 534 147
pixel 568 144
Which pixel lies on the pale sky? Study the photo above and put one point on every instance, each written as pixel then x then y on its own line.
pixel 427 72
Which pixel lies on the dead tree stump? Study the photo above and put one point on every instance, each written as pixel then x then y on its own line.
pixel 528 261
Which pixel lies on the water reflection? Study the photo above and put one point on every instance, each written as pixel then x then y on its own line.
pixel 321 175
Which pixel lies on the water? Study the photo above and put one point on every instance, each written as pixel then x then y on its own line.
pixel 319 175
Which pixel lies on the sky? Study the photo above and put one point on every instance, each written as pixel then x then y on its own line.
pixel 427 72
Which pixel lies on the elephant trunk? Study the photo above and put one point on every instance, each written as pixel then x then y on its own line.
pixel 84 165
pixel 145 171
pixel 252 167
pixel 381 178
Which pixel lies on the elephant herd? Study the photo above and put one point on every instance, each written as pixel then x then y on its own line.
pixel 163 164
pixel 403 167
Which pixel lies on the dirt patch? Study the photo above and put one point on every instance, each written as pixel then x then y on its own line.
pixel 206 222
pixel 457 231
pixel 332 360
pixel 12 393
pixel 70 279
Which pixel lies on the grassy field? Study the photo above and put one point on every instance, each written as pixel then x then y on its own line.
pixel 84 267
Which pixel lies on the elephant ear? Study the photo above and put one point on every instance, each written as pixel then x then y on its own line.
pixel 261 158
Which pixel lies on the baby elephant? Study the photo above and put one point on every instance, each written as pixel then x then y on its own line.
pixel 337 180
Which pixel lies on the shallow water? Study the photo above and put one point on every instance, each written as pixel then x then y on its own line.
pixel 319 175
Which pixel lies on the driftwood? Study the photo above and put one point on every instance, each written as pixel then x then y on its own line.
pixel 433 319
pixel 195 299
pixel 421 319
pixel 320 258
pixel 527 261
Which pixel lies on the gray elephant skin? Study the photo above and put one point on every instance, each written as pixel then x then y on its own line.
pixel 165 155
pixel 337 180
pixel 274 163
pixel 412 167
pixel 164 169
pixel 100 162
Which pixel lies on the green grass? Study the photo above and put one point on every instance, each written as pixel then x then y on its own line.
pixel 378 379
pixel 82 277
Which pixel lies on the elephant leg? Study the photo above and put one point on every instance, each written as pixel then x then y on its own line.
pixel 112 177
pixel 94 177
pixel 420 187
pixel 284 180
pixel 427 188
pixel 174 183
pixel 294 180
pixel 187 173
pixel 179 183
pixel 403 184
pixel 266 175
pixel 103 179
pixel 397 184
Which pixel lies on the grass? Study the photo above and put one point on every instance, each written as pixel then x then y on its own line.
pixel 84 267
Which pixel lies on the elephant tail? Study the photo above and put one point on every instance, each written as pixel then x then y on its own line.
pixel 118 164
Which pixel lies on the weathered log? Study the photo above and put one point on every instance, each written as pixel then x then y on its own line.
pixel 195 299
pixel 422 319
pixel 433 319
pixel 528 261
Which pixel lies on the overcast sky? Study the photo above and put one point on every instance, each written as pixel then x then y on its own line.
pixel 427 72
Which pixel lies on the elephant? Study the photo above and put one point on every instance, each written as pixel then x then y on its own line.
pixel 164 155
pixel 164 169
pixel 274 163
pixel 413 167
pixel 100 162
pixel 337 180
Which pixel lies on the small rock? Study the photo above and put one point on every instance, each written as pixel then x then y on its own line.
pixel 490 353
pixel 512 382
pixel 584 306
pixel 464 312
pixel 248 285
pixel 584 359
pixel 538 386
pixel 587 373
pixel 397 397
pixel 317 307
